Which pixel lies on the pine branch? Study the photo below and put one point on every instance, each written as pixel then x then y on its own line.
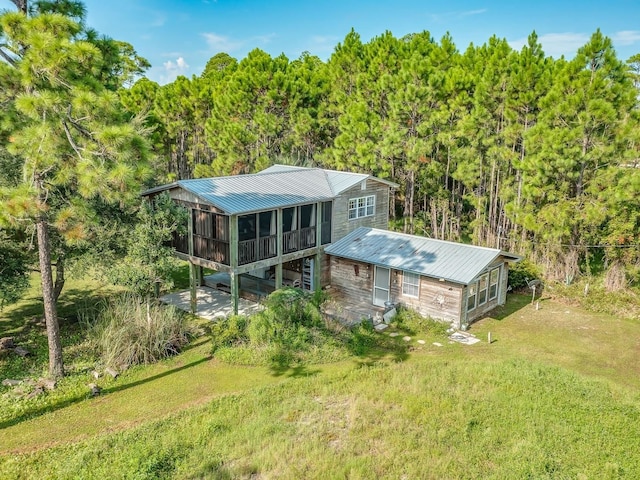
pixel 71 141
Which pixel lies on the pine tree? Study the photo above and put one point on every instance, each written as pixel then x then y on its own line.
pixel 76 146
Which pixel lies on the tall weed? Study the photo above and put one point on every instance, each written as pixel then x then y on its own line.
pixel 128 331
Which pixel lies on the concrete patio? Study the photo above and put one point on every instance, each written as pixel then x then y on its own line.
pixel 211 304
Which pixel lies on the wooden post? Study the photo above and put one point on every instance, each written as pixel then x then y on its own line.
pixel 278 276
pixel 192 285
pixel 279 233
pixel 192 267
pixel 278 284
pixel 316 258
pixel 318 224
pixel 235 291
pixel 233 263
pixel 317 271
pixel 489 338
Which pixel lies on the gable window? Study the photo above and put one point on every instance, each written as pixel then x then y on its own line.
pixel 362 207
pixel 483 283
pixel 410 284
pixel 493 283
pixel 471 298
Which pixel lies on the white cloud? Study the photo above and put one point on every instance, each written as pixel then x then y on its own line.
pixel 556 44
pixel 264 39
pixel 173 69
pixel 469 13
pixel 220 43
pixel 322 44
pixel 568 43
pixel 444 17
pixel 626 37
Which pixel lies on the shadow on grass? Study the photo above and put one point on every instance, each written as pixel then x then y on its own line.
pixel 20 318
pixel 370 347
pixel 280 369
pixel 80 397
pixel 515 302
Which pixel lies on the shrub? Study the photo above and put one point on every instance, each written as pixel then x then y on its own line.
pixel 229 331
pixel 290 330
pixel 128 331
pixel 522 272
pixel 363 337
pixel 411 321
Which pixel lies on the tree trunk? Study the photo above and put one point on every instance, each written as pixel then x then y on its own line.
pixel 56 368
pixel 60 278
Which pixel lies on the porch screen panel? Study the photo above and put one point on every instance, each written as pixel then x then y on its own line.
pixel 326 222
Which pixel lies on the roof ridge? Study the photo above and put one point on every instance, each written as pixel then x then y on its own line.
pixel 450 242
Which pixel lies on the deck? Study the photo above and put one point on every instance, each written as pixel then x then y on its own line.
pixel 251 288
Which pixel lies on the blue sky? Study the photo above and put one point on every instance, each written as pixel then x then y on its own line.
pixel 179 37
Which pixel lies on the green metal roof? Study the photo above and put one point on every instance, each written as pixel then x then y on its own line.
pixel 451 261
pixel 276 187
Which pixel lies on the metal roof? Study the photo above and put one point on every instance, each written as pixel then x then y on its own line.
pixel 276 187
pixel 261 191
pixel 338 181
pixel 454 262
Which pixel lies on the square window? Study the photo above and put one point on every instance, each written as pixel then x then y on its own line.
pixel 362 207
pixel 410 284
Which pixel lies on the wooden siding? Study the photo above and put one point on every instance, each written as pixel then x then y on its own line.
pixel 325 270
pixel 341 223
pixel 439 300
pixel 352 279
pixel 191 200
pixel 500 299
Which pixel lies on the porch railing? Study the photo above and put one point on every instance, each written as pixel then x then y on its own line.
pixel 298 239
pixel 211 249
pixel 250 251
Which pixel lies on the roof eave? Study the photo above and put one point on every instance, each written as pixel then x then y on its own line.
pixel 159 189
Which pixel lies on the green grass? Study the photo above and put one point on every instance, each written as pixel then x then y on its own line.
pixel 555 395
pixel 431 417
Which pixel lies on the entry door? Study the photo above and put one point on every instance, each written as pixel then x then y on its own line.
pixel 381 286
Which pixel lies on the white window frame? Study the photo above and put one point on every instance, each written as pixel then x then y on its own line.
pixel 472 292
pixel 411 280
pixel 484 276
pixel 493 283
pixel 361 207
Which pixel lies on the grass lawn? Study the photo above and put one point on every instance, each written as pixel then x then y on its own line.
pixel 556 395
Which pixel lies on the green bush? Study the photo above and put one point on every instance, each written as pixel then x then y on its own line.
pixel 411 321
pixel 363 337
pixel 522 272
pixel 128 331
pixel 290 330
pixel 229 331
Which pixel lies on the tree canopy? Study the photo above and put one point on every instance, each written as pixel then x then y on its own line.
pixel 511 149
pixel 74 146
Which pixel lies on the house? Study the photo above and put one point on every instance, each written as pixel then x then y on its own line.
pixel 269 229
pixel 444 280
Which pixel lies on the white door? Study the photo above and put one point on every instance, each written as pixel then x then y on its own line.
pixel 381 286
